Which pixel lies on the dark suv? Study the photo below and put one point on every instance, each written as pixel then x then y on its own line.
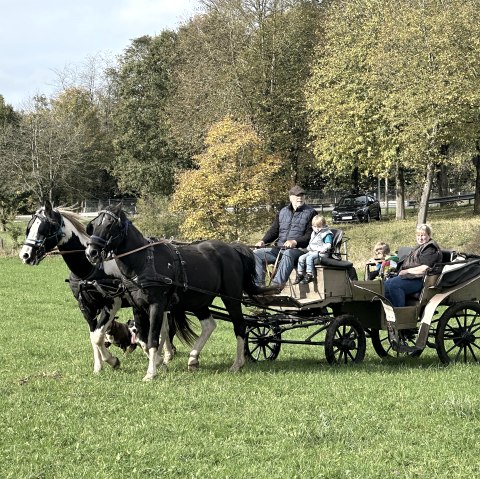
pixel 353 208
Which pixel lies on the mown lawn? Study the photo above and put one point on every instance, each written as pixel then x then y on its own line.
pixel 296 417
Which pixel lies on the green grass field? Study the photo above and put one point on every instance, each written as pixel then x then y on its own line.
pixel 295 417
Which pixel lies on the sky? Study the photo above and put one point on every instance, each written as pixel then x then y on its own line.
pixel 41 37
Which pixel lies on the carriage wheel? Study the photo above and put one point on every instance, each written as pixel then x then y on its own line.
pixel 458 333
pixel 381 342
pixel 382 346
pixel 345 341
pixel 259 345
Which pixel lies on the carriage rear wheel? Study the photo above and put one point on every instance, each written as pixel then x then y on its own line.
pixel 458 333
pixel 262 343
pixel 345 341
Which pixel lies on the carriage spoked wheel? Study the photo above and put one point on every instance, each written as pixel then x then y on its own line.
pixel 345 341
pixel 262 342
pixel 383 347
pixel 457 336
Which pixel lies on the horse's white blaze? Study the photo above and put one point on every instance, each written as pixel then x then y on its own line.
pixel 208 326
pixel 30 241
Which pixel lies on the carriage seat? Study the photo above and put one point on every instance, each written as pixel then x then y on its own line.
pixel 332 263
pixel 429 280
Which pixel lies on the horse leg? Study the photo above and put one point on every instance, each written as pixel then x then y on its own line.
pixel 97 337
pixel 155 341
pixel 239 326
pixel 165 334
pixel 208 325
pixel 97 357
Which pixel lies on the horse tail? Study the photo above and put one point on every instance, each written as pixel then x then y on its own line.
pixel 181 326
pixel 249 272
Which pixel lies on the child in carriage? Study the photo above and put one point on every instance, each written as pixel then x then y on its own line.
pixel 319 245
pixel 382 263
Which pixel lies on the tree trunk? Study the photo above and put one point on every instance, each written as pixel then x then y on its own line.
pixel 427 188
pixel 476 203
pixel 400 194
pixel 386 196
pixel 442 178
pixel 355 181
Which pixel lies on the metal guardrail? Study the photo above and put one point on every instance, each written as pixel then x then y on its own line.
pixel 447 199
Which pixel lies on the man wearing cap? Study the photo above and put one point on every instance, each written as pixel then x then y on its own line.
pixel 290 230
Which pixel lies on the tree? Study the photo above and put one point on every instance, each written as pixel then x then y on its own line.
pixel 59 151
pixel 145 160
pixel 393 91
pixel 235 178
pixel 248 60
pixel 10 194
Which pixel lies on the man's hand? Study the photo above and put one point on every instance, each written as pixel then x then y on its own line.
pixel 290 244
pixel 260 244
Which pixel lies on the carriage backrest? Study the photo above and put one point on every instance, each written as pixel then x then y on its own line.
pixel 448 255
pixel 337 241
pixel 403 252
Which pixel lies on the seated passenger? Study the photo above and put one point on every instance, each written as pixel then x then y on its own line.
pixel 412 269
pixel 380 265
pixel 319 245
pixel 290 230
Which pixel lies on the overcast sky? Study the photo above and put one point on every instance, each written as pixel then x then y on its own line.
pixel 39 37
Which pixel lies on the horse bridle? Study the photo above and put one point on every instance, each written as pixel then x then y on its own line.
pixel 50 240
pixel 103 243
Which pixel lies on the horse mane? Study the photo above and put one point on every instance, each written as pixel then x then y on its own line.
pixel 74 218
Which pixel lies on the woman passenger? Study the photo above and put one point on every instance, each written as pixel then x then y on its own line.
pixel 413 268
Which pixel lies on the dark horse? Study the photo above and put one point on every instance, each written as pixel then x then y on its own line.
pixel 99 292
pixel 163 276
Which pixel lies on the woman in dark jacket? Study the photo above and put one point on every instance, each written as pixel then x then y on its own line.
pixel 414 267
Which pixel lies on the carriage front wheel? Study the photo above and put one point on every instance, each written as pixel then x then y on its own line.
pixel 262 342
pixel 345 341
pixel 457 337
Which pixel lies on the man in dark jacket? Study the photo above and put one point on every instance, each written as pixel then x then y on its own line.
pixel 290 230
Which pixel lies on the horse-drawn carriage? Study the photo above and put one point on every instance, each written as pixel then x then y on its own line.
pixel 445 315
pixel 337 310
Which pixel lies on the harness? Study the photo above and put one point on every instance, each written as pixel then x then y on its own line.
pixel 98 241
pixel 50 239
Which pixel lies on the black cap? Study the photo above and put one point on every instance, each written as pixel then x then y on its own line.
pixel 296 190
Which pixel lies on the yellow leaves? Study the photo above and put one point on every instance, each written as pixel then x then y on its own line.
pixel 232 180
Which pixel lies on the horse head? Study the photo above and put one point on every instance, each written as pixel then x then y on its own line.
pixel 107 231
pixel 44 232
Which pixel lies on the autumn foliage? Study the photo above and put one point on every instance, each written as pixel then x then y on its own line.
pixel 233 182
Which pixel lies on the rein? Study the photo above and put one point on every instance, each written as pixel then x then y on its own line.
pixel 114 256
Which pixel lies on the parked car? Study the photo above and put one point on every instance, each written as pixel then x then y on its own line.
pixel 356 208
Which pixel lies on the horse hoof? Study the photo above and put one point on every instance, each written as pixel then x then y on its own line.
pixel 148 378
pixel 194 367
pixel 235 369
pixel 116 364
